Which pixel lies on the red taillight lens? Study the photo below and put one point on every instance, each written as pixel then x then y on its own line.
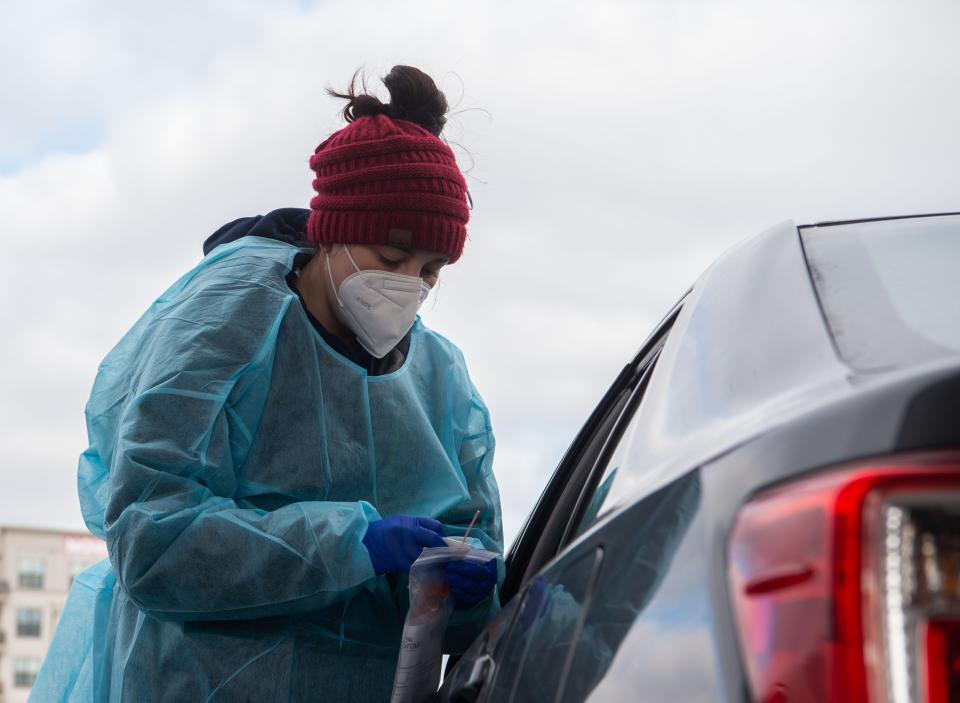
pixel 823 575
pixel 942 639
pixel 789 566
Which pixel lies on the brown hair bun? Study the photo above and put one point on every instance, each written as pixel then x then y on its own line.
pixel 413 97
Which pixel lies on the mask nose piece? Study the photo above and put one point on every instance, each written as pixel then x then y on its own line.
pixel 425 289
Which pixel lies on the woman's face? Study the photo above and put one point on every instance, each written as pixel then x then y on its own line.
pixel 409 262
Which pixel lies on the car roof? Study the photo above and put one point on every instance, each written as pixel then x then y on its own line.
pixel 749 344
pixel 750 355
pixel 749 350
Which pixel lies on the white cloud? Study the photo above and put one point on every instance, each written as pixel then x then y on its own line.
pixel 629 144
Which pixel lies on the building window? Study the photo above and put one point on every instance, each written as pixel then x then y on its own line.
pixel 25 671
pixel 31 573
pixel 28 622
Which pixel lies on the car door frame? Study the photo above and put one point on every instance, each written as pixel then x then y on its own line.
pixel 545 533
pixel 550 525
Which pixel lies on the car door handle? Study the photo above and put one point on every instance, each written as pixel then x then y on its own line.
pixel 481 671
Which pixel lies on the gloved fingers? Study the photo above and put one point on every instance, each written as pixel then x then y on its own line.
pixel 465 571
pixel 395 542
pixel 471 582
pixel 471 570
pixel 433 525
pixel 462 600
pixel 427 538
pixel 471 587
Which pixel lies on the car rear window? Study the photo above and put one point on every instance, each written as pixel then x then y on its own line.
pixel 890 290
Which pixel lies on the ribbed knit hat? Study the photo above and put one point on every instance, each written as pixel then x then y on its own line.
pixel 388 181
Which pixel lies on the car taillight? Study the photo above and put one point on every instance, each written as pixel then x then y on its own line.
pixel 942 641
pixel 846 585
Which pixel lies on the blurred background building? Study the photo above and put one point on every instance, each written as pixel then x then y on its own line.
pixel 37 567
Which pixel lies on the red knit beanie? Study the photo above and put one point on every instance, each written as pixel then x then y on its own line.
pixel 386 181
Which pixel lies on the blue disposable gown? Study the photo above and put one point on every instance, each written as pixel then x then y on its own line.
pixel 235 462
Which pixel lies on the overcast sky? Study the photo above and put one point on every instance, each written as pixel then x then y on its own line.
pixel 614 149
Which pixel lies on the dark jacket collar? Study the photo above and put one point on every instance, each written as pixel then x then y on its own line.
pixel 289 225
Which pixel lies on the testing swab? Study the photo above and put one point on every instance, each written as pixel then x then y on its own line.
pixel 475 516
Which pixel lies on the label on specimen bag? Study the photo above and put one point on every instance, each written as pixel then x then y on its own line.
pixel 418 668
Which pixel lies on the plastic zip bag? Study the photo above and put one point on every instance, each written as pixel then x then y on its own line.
pixel 421 647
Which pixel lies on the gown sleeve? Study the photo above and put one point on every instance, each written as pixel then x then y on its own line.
pixel 181 547
pixel 476 461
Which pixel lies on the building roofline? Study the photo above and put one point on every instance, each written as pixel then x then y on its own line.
pixel 45 531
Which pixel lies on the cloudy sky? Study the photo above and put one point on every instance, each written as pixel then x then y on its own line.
pixel 614 149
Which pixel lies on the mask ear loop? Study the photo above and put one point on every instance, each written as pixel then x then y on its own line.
pixel 350 256
pixel 330 273
pixel 330 276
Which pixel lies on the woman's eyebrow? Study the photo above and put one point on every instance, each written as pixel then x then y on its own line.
pixel 409 251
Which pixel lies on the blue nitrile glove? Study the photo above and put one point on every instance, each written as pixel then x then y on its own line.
pixel 470 582
pixel 394 543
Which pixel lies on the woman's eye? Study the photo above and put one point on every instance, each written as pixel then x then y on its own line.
pixel 390 262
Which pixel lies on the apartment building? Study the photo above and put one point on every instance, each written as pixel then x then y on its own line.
pixel 36 569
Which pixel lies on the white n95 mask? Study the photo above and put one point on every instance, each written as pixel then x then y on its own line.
pixel 379 307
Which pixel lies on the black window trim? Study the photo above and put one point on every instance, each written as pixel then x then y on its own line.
pixel 609 447
pixel 862 220
pixel 542 535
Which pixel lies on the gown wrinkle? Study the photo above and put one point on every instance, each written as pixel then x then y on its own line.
pixel 209 431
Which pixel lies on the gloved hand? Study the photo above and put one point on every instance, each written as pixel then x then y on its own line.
pixel 394 543
pixel 470 582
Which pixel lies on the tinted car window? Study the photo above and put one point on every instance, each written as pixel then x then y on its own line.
pixel 540 645
pixel 888 289
pixel 614 486
pixel 618 480
pixel 647 633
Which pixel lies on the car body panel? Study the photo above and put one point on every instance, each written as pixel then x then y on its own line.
pixel 748 350
pixel 887 417
pixel 748 391
pixel 648 635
